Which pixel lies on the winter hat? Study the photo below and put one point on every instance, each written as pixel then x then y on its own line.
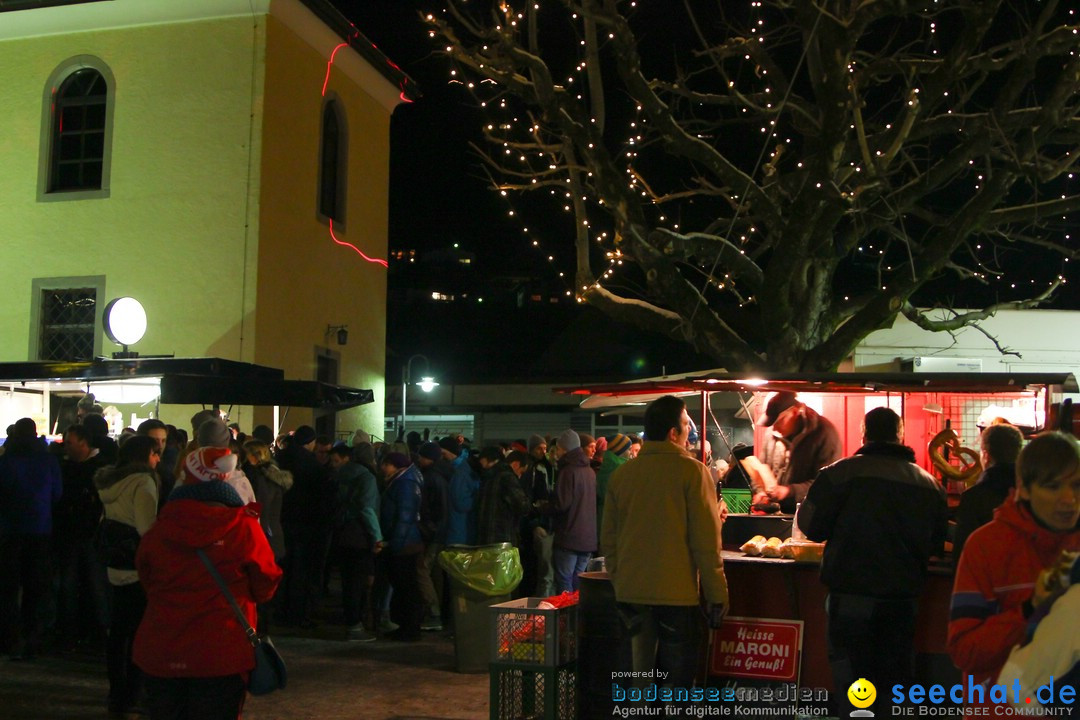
pixel 601 445
pixel 618 444
pixel 213 433
pixel 535 440
pixel 364 453
pixel 586 439
pixel 451 445
pixel 360 437
pixel 430 450
pixel 568 440
pixel 398 460
pixel 207 464
pixel 518 445
pixel 303 435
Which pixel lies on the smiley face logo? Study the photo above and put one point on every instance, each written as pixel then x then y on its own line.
pixel 862 693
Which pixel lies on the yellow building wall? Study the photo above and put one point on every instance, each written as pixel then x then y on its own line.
pixel 210 219
pixel 173 229
pixel 306 281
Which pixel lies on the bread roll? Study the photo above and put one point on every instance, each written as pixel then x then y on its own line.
pixel 772 548
pixel 754 545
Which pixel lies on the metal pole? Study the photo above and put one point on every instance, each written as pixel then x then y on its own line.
pixel 404 390
pixel 703 430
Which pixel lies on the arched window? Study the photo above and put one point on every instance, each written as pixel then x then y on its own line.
pixel 332 163
pixel 79 132
pixel 77 129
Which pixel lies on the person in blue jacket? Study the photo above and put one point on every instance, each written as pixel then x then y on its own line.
pixel 30 485
pixel 464 487
pixel 399 517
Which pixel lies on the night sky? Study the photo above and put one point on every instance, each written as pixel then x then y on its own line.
pixel 435 186
pixel 439 198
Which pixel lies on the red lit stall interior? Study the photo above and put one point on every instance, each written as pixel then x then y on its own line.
pixel 928 403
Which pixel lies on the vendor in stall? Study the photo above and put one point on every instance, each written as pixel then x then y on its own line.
pixel 800 443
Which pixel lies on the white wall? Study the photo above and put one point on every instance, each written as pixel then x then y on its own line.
pixel 1047 341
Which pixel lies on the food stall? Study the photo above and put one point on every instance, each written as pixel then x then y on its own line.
pixel 781 602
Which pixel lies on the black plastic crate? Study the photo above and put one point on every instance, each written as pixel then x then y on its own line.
pixel 529 635
pixel 533 693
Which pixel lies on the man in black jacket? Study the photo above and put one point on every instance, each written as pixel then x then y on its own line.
pixel 502 503
pixel 308 512
pixel 82 587
pixel 537 539
pixel 433 507
pixel 883 518
pixel 1000 448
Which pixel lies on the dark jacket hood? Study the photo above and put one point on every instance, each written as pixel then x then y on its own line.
pixel 574 458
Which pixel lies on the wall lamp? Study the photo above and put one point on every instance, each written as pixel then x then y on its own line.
pixel 342 333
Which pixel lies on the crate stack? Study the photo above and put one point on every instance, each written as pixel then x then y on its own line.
pixel 534 661
pixel 737 499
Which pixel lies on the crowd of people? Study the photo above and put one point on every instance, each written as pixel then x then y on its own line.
pixel 104 543
pixel 99 538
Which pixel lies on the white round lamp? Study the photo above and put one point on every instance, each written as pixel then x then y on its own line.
pixel 125 323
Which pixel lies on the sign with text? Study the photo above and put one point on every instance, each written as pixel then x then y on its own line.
pixel 758 648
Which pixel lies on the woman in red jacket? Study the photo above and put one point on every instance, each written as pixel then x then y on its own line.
pixel 994 590
pixel 190 645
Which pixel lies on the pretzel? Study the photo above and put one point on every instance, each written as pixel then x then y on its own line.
pixel 970 464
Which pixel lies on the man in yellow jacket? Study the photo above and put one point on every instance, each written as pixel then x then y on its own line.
pixel 660 535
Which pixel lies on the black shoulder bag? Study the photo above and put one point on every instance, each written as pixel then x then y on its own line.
pixel 269 673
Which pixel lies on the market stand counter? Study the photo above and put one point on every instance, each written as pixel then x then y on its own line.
pixel 780 589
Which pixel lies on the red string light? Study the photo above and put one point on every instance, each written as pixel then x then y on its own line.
pixel 358 250
pixel 326 81
pixel 330 64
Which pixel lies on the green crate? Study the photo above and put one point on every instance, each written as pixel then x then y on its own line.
pixel 737 499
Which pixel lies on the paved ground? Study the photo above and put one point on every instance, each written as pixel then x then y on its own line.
pixel 328 678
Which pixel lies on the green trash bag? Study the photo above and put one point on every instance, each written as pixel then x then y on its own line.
pixel 488 569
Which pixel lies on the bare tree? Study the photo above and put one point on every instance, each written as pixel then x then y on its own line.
pixel 786 176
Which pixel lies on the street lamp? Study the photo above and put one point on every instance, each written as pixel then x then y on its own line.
pixel 426 383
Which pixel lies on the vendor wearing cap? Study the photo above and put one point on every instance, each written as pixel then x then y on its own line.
pixel 800 443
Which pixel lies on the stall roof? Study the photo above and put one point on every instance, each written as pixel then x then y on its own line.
pixel 192 390
pixel 195 381
pixel 854 382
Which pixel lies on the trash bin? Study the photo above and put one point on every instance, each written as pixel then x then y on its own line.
pixel 480 576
